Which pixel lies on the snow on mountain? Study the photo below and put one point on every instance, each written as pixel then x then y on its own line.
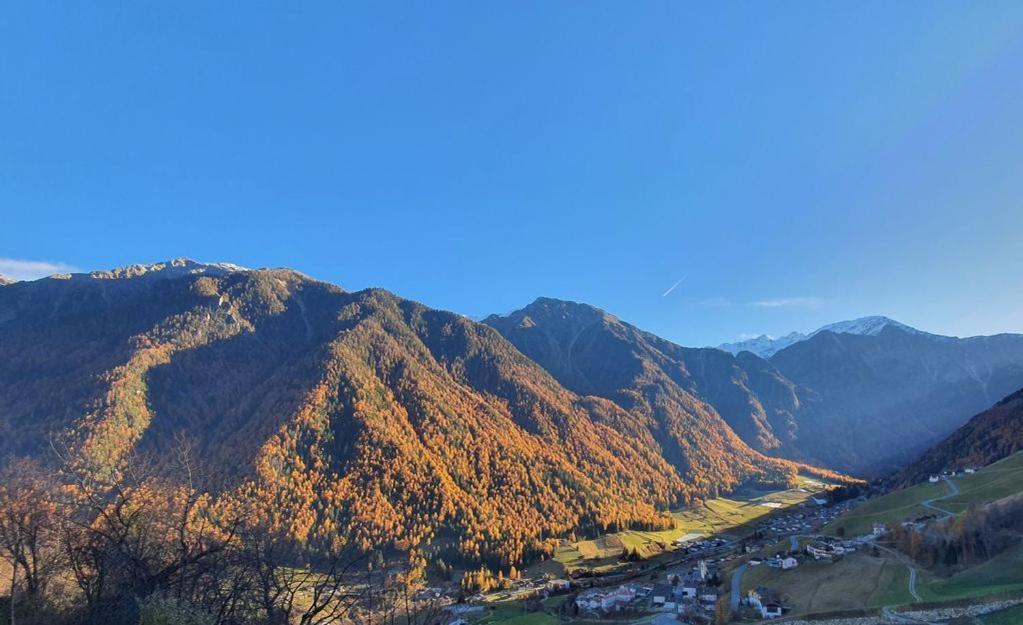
pixel 766 346
pixel 865 326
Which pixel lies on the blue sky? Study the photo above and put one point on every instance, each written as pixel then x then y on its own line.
pixel 796 163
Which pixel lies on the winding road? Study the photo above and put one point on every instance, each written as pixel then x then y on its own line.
pixel 953 491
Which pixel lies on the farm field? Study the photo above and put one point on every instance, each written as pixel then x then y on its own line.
pixel 713 517
pixel 855 581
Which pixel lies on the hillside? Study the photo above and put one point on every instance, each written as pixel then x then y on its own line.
pixel 987 437
pixel 862 397
pixel 343 414
pixel 685 401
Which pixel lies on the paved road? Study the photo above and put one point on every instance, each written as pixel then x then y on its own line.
pixel 912 584
pixel 736 588
pixel 953 491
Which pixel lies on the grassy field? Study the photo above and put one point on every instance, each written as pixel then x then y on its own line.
pixel 1003 573
pixel 510 613
pixel 855 581
pixel 1012 616
pixel 891 508
pixel 995 481
pixel 716 516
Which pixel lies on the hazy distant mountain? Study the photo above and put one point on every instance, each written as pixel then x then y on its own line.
pixel 987 437
pixel 863 396
pixel 766 346
pixel 355 413
pixel 873 402
pixel 4 280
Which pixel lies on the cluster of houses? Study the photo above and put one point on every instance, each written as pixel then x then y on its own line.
pixel 934 479
pixel 611 599
pixel 692 591
pixel 827 548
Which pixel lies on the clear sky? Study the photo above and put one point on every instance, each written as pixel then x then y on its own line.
pixel 796 163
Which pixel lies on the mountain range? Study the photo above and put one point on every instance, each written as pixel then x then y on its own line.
pixel 360 413
pixel 766 346
pixel 370 415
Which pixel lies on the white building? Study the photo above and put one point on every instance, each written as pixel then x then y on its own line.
pixel 933 479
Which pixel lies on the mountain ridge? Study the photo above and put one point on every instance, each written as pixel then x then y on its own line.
pixel 766 346
pixel 356 414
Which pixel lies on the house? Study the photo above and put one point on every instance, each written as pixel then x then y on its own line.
pixel 789 563
pixel 689 591
pixel 933 479
pixel 819 551
pixel 755 562
pixel 556 585
pixel 970 471
pixel 765 601
pixel 878 529
pixel 660 595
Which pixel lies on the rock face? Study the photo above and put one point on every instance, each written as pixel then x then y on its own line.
pixel 356 414
pixel 865 402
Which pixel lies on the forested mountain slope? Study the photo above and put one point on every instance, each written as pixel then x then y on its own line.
pixel 360 415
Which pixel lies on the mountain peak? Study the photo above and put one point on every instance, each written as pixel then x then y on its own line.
pixel 766 346
pixel 865 326
pixel 167 269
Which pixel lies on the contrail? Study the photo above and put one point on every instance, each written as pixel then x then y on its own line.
pixel 672 287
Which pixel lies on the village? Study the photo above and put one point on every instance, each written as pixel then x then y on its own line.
pixel 686 584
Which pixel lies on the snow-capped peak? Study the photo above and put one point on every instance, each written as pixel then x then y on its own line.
pixel 864 326
pixel 766 346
